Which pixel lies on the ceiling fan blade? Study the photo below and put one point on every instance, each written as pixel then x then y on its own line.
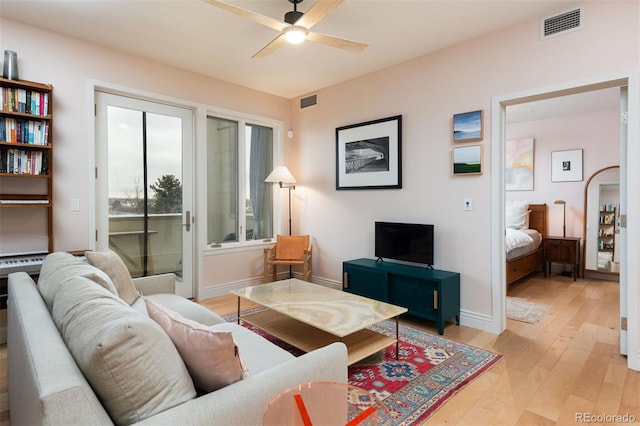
pixel 341 43
pixel 255 17
pixel 274 45
pixel 317 12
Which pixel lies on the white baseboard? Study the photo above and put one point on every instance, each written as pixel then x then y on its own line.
pixel 224 289
pixel 479 321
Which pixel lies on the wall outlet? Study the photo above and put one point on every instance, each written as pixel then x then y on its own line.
pixel 468 204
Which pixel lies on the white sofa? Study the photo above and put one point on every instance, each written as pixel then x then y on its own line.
pixel 47 386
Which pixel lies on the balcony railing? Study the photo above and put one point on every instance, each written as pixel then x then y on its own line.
pixel 164 243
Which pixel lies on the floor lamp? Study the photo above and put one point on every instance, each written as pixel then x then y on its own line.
pixel 282 176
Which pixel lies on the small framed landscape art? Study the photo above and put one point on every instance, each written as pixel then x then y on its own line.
pixel 467 160
pixel 468 127
pixel 369 155
pixel 566 166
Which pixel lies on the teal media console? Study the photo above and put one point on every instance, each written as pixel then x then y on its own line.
pixel 426 293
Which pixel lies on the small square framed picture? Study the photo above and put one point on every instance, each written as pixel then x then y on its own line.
pixel 467 127
pixel 566 166
pixel 467 160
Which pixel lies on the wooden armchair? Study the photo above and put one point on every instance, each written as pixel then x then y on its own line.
pixel 290 251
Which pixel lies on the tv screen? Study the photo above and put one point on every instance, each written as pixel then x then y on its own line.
pixel 409 242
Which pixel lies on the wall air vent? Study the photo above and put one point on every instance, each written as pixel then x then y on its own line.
pixel 308 101
pixel 561 23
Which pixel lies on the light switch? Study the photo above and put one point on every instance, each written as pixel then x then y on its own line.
pixel 75 204
pixel 468 204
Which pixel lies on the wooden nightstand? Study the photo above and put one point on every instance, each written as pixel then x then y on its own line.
pixel 561 250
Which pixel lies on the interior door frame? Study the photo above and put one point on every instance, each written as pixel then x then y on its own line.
pixel 98 220
pixel 629 272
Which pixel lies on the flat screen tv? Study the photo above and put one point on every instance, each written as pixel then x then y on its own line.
pixel 409 242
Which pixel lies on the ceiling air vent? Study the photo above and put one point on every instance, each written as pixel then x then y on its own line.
pixel 561 23
pixel 308 101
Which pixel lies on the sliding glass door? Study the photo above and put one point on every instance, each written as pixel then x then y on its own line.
pixel 144 182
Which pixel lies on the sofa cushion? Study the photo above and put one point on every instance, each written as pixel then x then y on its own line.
pixel 258 353
pixel 112 265
pixel 211 357
pixel 130 362
pixel 61 265
pixel 186 308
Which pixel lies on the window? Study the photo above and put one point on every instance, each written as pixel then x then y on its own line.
pixel 239 202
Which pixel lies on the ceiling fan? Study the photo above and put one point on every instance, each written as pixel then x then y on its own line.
pixel 296 26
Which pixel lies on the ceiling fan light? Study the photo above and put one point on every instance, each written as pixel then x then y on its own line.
pixel 295 34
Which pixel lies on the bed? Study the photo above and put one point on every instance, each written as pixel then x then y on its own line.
pixel 525 259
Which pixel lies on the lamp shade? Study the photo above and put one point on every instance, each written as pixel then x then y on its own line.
pixel 281 175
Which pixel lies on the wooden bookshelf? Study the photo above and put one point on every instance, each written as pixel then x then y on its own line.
pixel 26 153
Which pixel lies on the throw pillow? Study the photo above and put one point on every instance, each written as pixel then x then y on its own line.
pixel 517 214
pixel 112 265
pixel 127 358
pixel 211 357
pixel 61 265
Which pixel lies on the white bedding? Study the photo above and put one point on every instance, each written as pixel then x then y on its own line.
pixel 518 242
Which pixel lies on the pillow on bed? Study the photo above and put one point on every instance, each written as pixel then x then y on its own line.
pixel 514 238
pixel 517 215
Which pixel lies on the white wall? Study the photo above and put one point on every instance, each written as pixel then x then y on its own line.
pixel 597 134
pixel 69 64
pixel 427 92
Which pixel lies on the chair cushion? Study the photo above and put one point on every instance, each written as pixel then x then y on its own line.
pixel 61 265
pixel 112 265
pixel 291 247
pixel 211 357
pixel 128 359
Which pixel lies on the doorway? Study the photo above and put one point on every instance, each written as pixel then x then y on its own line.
pixel 144 186
pixel 629 176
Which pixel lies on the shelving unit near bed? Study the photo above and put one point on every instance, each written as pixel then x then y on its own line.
pixel 525 264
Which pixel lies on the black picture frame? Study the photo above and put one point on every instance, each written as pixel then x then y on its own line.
pixel 369 154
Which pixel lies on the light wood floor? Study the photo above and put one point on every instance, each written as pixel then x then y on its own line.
pixel 564 365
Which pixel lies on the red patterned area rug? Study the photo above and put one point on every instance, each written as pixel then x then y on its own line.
pixel 430 369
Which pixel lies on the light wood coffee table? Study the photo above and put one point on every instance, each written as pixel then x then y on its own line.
pixel 309 316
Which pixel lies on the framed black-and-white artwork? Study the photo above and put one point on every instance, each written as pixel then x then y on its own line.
pixel 566 166
pixel 369 155
pixel 468 127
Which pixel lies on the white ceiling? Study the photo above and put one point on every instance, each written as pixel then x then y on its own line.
pixel 196 36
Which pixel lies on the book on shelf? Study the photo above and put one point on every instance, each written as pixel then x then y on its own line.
pixel 25 101
pixel 31 132
pixel 21 201
pixel 26 162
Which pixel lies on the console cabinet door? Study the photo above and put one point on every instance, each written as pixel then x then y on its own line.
pixel 420 297
pixel 365 282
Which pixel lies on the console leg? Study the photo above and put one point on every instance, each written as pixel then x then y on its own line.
pixel 397 341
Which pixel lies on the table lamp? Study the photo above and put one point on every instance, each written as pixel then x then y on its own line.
pixel 564 216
